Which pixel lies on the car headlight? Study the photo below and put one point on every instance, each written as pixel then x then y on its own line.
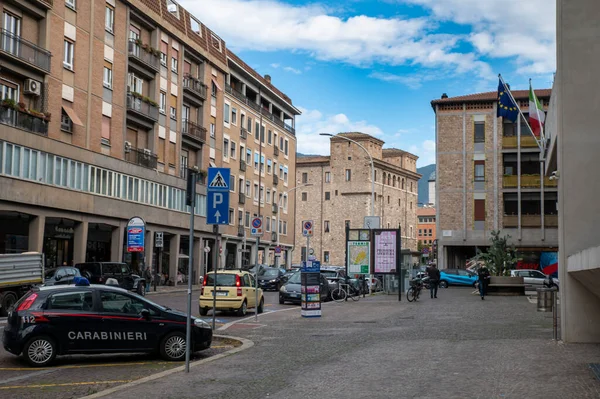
pixel 283 289
pixel 273 281
pixel 201 323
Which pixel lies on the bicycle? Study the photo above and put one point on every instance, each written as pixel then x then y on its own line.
pixel 414 291
pixel 341 294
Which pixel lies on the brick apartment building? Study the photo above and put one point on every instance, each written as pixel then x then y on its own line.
pixel 489 177
pixel 340 194
pixel 426 232
pixel 104 106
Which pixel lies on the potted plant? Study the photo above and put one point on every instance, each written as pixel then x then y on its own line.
pixel 139 42
pixel 21 105
pixel 9 103
pixel 48 116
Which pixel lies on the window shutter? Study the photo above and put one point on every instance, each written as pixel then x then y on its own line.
pixel 161 150
pixel 479 210
pixel 171 153
pixel 106 127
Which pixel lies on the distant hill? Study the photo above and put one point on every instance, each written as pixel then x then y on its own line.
pixel 424 182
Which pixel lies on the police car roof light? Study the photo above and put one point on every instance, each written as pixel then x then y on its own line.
pixel 81 282
pixel 26 304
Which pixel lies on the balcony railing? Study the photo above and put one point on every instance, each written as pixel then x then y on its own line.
pixel 527 181
pixel 243 133
pixel 241 198
pixel 194 85
pixel 530 221
pixel 275 207
pixel 141 157
pixel 148 58
pixel 242 165
pixel 142 107
pixel 550 183
pixel 275 150
pixel 527 141
pixel 275 179
pixel 551 220
pixel 193 130
pixel 25 50
pixel 23 120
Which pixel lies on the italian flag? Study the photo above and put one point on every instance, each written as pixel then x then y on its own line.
pixel 536 113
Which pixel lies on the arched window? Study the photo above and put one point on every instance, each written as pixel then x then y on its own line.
pixel 383 178
pixel 394 180
pixel 389 180
pixel 402 183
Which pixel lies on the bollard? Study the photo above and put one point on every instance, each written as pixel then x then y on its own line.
pixel 554 315
pixel 544 299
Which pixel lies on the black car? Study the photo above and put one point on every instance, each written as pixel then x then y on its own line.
pixel 60 320
pixel 291 291
pixel 99 272
pixel 271 278
pixel 61 275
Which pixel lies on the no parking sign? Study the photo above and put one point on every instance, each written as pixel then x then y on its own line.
pixel 307 228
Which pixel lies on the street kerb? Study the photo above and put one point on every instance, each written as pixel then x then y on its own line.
pixel 246 344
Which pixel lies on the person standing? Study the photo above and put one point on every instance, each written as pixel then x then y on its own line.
pixel 484 278
pixel 434 279
pixel 148 278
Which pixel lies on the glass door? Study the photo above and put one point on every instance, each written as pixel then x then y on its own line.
pixel 12 32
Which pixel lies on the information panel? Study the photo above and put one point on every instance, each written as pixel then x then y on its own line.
pixel 311 289
pixel 385 251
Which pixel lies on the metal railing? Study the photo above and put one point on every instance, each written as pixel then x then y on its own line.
pixel 25 50
pixel 22 120
pixel 275 150
pixel 144 56
pixel 194 85
pixel 512 142
pixel 242 165
pixel 190 128
pixel 243 133
pixel 141 157
pixel 275 207
pixel 145 108
pixel 241 198
pixel 275 179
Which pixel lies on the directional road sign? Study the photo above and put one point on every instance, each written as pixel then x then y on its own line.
pixel 217 199
pixel 256 228
pixel 307 228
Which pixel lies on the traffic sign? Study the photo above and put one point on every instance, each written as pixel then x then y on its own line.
pixel 278 249
pixel 158 240
pixel 256 227
pixel 217 198
pixel 307 226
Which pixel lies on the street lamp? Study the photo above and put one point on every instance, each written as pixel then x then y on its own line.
pixel 279 212
pixel 372 167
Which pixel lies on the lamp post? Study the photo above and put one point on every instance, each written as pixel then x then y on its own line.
pixel 279 211
pixel 372 166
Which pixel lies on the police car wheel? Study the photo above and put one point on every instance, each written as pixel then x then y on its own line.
pixel 39 351
pixel 172 346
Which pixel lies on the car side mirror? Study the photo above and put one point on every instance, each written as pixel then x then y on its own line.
pixel 145 313
pixel 57 277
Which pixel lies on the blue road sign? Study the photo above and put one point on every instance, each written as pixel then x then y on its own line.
pixel 136 229
pixel 217 201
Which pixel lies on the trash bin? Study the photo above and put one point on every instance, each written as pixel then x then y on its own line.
pixel 544 299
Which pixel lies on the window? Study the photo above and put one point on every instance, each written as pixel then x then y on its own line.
pixel 212 130
pixel 248 188
pixel 162 102
pixel 225 148
pixel 304 177
pixel 326 226
pixel 109 19
pixel 68 55
pixel 231 216
pixel 269 166
pixel 262 164
pixel 304 196
pixel 270 137
pixel 327 177
pixel 479 132
pixel 326 256
pixel 420 232
pixel 268 224
pixel 163 53
pixel 429 233
pixel 70 301
pixel 134 84
pixel 479 170
pixel 348 174
pixel 479 210
pixel 327 195
pixel 256 130
pixel 247 219
pixel 281 143
pixel 287 143
pixel 226 114
pixel 233 150
pixel 233 116
pixel 195 26
pixel 173 113
pixel 249 125
pixel 107 77
pixel 66 124
pixel 213 89
pixel 262 134
pixel 248 156
pixel 255 191
pixel 114 302
pixel 174 60
pixel 70 4
pixel 173 8
pixel 284 228
pixel 256 160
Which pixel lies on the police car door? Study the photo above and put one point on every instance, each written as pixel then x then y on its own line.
pixel 122 321
pixel 70 314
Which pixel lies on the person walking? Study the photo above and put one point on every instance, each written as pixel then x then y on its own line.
pixel 434 279
pixel 484 278
pixel 148 278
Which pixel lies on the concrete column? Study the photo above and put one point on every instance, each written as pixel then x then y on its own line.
pixel 148 248
pixel 253 251
pixel 222 252
pixel 288 259
pixel 238 254
pixel 174 257
pixel 80 242
pixel 116 243
pixel 36 234
pixel 197 253
pixel 244 89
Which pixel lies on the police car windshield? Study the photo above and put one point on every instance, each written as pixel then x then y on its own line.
pixel 223 280
pixel 270 273
pixel 295 279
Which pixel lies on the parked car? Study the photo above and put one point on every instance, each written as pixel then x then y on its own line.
pixel 532 278
pixel 291 291
pixel 457 277
pixel 61 275
pixel 271 279
pixel 235 291
pixel 99 272
pixel 260 269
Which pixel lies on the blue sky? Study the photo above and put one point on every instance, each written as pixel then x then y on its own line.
pixel 375 66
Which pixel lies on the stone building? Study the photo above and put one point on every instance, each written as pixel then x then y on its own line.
pixel 489 177
pixel 104 106
pixel 426 232
pixel 340 194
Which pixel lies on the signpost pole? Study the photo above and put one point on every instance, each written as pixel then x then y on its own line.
pixel 256 278
pixel 188 327
pixel 158 268
pixel 216 257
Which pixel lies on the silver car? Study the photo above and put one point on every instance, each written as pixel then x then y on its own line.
pixel 532 278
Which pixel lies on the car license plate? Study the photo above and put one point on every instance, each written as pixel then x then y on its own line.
pixel 221 293
pixel 295 295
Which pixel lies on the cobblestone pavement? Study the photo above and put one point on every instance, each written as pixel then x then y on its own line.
pixel 457 346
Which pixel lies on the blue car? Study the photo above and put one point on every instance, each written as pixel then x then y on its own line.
pixel 457 277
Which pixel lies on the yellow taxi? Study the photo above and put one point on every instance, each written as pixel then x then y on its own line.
pixel 235 291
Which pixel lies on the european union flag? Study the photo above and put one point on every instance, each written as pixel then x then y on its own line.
pixel 506 106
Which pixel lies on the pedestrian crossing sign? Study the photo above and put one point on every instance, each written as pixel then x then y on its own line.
pixel 218 182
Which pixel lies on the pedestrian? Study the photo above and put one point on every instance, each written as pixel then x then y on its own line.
pixel 434 279
pixel 148 277
pixel 484 278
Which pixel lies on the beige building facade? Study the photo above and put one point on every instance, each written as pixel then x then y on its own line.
pixel 104 105
pixel 339 195
pixel 489 177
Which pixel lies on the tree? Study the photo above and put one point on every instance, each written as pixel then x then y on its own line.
pixel 500 256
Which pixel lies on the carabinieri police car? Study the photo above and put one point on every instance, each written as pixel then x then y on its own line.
pixel 58 320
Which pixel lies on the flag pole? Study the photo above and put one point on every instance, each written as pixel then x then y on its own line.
pixel 537 111
pixel 520 112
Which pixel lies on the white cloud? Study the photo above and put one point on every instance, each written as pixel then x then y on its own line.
pixel 292 70
pixel 425 151
pixel 275 65
pixel 270 25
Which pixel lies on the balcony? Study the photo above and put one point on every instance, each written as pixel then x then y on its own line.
pixel 23 120
pixel 145 58
pixel 275 180
pixel 143 111
pixel 275 150
pixel 46 3
pixel 528 221
pixel 275 207
pixel 241 198
pixel 193 131
pixel 550 183
pixel 24 51
pixel 243 133
pixel 551 220
pixel 526 142
pixel 194 89
pixel 242 165
pixel 141 157
pixel 527 181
